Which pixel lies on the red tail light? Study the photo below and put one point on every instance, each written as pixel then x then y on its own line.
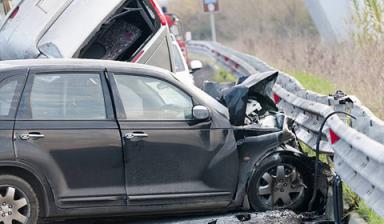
pixel 334 137
pixel 14 13
pixel 276 98
pixel 161 15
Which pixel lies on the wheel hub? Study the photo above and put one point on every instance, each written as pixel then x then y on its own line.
pixel 6 209
pixel 280 186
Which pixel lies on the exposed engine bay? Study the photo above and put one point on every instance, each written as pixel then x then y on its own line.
pixel 252 112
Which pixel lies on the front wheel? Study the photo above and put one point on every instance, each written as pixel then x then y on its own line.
pixel 281 182
pixel 18 201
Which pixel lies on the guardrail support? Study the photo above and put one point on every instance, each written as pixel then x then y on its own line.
pixel 338 204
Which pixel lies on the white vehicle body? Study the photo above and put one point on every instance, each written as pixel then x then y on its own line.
pixel 181 67
pixel 74 28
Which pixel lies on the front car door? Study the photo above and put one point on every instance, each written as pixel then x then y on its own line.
pixel 65 126
pixel 171 158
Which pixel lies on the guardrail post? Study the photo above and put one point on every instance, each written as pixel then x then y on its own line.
pixel 338 204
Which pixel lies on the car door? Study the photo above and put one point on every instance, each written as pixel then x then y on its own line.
pixel 170 158
pixel 11 85
pixel 66 128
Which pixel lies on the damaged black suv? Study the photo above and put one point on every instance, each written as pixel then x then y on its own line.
pixel 98 138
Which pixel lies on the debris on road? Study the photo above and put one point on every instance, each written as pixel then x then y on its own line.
pixel 276 217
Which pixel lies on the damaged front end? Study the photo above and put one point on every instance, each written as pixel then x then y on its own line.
pixel 275 173
pixel 252 112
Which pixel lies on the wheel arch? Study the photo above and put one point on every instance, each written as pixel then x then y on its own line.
pixel 39 183
pixel 248 171
pixel 281 150
pixel 284 150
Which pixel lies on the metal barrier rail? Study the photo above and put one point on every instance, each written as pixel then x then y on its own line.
pixel 357 145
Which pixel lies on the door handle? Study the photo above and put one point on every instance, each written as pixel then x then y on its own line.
pixel 32 136
pixel 135 136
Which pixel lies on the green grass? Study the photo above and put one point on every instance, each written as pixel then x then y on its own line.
pixel 368 214
pixel 314 83
pixel 223 76
pixel 323 86
pixel 311 152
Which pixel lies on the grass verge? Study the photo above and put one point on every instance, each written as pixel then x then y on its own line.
pixel 314 83
pixel 223 76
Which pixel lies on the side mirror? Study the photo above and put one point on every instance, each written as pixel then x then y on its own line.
pixel 200 112
pixel 196 65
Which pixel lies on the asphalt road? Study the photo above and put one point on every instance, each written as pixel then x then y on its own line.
pixel 275 217
pixel 204 74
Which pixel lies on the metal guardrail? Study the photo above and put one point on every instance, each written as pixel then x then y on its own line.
pixel 357 145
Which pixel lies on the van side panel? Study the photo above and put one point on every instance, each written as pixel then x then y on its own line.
pixel 158 52
pixel 19 36
pixel 78 24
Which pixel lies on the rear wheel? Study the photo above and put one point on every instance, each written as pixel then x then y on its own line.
pixel 281 182
pixel 18 201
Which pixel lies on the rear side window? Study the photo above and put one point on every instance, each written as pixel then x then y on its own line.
pixel 66 97
pixel 10 90
pixel 179 60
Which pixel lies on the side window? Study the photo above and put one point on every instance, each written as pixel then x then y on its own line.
pixel 145 98
pixel 66 97
pixel 179 60
pixel 9 94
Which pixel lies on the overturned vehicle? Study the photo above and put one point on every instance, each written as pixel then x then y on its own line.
pixel 283 174
pixel 121 30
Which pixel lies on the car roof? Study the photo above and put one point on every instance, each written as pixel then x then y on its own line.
pixel 41 64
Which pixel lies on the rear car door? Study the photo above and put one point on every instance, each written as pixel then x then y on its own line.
pixel 170 158
pixel 66 128
pixel 11 85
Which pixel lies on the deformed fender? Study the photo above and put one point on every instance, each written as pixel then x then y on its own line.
pixel 252 151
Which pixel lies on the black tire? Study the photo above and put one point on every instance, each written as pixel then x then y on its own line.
pixel 298 191
pixel 22 189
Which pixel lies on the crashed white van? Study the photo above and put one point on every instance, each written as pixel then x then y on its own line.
pixel 122 30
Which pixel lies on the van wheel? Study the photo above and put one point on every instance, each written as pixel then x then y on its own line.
pixel 18 201
pixel 281 182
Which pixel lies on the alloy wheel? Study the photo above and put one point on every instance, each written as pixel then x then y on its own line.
pixel 280 186
pixel 14 205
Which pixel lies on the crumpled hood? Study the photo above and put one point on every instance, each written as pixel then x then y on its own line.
pixel 258 87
